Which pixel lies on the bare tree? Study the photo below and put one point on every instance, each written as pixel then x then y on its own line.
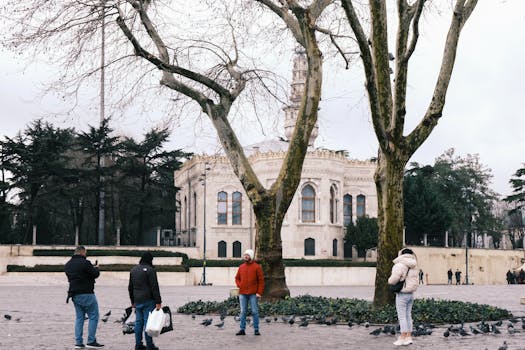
pixel 76 24
pixel 387 100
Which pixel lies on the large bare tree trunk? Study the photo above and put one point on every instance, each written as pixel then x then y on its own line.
pixel 389 185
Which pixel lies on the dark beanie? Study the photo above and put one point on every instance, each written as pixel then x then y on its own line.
pixel 146 258
pixel 407 251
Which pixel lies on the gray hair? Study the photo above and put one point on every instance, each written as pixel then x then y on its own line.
pixel 80 249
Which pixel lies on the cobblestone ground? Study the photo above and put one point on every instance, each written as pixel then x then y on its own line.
pixel 46 322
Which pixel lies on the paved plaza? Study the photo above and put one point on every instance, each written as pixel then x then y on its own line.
pixel 45 321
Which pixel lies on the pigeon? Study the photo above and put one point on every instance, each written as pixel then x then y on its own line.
pixel 192 316
pixel 107 313
pixel 237 318
pixel 504 346
pixel 207 322
pixel 367 324
pixel 7 317
pixel 391 57
pixel 222 317
pixel 475 330
pixel 304 323
pixel 219 325
pixel 495 330
pixel 446 334
pixel 376 331
pixel 104 319
pixel 268 319
pixel 350 324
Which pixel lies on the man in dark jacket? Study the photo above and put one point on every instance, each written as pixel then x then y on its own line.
pixel 144 293
pixel 81 275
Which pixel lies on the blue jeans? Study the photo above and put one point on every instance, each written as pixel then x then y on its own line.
pixel 243 300
pixel 404 302
pixel 142 311
pixel 85 304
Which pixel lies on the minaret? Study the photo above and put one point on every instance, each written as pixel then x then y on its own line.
pixel 300 67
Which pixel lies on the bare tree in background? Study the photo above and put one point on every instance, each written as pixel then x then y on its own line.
pixel 387 100
pixel 143 39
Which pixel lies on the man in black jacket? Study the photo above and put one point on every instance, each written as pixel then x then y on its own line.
pixel 81 275
pixel 144 293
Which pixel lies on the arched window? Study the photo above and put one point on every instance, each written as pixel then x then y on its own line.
pixel 333 205
pixel 221 249
pixel 360 210
pixel 186 217
pixel 309 246
pixel 236 249
pixel 222 208
pixel 194 209
pixel 308 204
pixel 347 209
pixel 334 247
pixel 236 208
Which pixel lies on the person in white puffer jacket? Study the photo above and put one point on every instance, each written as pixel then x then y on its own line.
pixel 405 268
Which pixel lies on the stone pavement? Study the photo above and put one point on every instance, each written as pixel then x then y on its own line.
pixel 46 322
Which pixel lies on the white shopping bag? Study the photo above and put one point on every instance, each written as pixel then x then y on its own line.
pixel 155 323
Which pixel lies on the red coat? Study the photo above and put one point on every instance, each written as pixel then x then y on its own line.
pixel 250 279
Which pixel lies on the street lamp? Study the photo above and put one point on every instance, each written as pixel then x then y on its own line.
pixel 203 182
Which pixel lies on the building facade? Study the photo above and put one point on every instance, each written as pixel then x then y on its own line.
pixel 216 216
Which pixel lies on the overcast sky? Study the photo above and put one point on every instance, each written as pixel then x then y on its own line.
pixel 483 113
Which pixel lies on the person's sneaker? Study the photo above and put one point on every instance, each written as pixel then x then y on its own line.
pixel 241 332
pixel 256 332
pixel 94 345
pixel 140 347
pixel 80 346
pixel 399 342
pixel 408 341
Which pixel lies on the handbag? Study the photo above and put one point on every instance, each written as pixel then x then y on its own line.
pixel 396 288
pixel 155 323
pixel 168 323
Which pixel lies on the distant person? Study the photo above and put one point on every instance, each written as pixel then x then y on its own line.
pixel 449 275
pixel 81 275
pixel 458 276
pixel 144 293
pixel 405 268
pixel 250 280
pixel 521 277
pixel 421 274
pixel 510 277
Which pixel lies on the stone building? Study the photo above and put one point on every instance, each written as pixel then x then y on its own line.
pixel 215 214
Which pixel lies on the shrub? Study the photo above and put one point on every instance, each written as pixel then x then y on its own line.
pixel 356 310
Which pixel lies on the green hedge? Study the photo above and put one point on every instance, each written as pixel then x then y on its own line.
pixel 109 252
pixel 106 267
pixel 356 310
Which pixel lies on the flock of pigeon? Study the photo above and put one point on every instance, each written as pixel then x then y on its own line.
pixel 514 325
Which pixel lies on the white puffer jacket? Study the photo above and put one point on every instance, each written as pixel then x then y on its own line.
pixel 401 264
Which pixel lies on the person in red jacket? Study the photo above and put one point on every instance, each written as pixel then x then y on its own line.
pixel 250 280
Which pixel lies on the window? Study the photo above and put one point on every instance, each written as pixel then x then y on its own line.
pixel 333 205
pixel 236 208
pixel 308 204
pixel 347 209
pixel 334 247
pixel 221 249
pixel 222 208
pixel 360 212
pixel 194 209
pixel 309 246
pixel 236 249
pixel 186 217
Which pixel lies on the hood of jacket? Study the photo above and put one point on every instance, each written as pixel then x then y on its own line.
pixel 407 260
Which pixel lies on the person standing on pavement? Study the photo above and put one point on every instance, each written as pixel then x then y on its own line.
pixel 81 275
pixel 145 297
pixel 449 275
pixel 250 280
pixel 458 276
pixel 421 274
pixel 405 269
